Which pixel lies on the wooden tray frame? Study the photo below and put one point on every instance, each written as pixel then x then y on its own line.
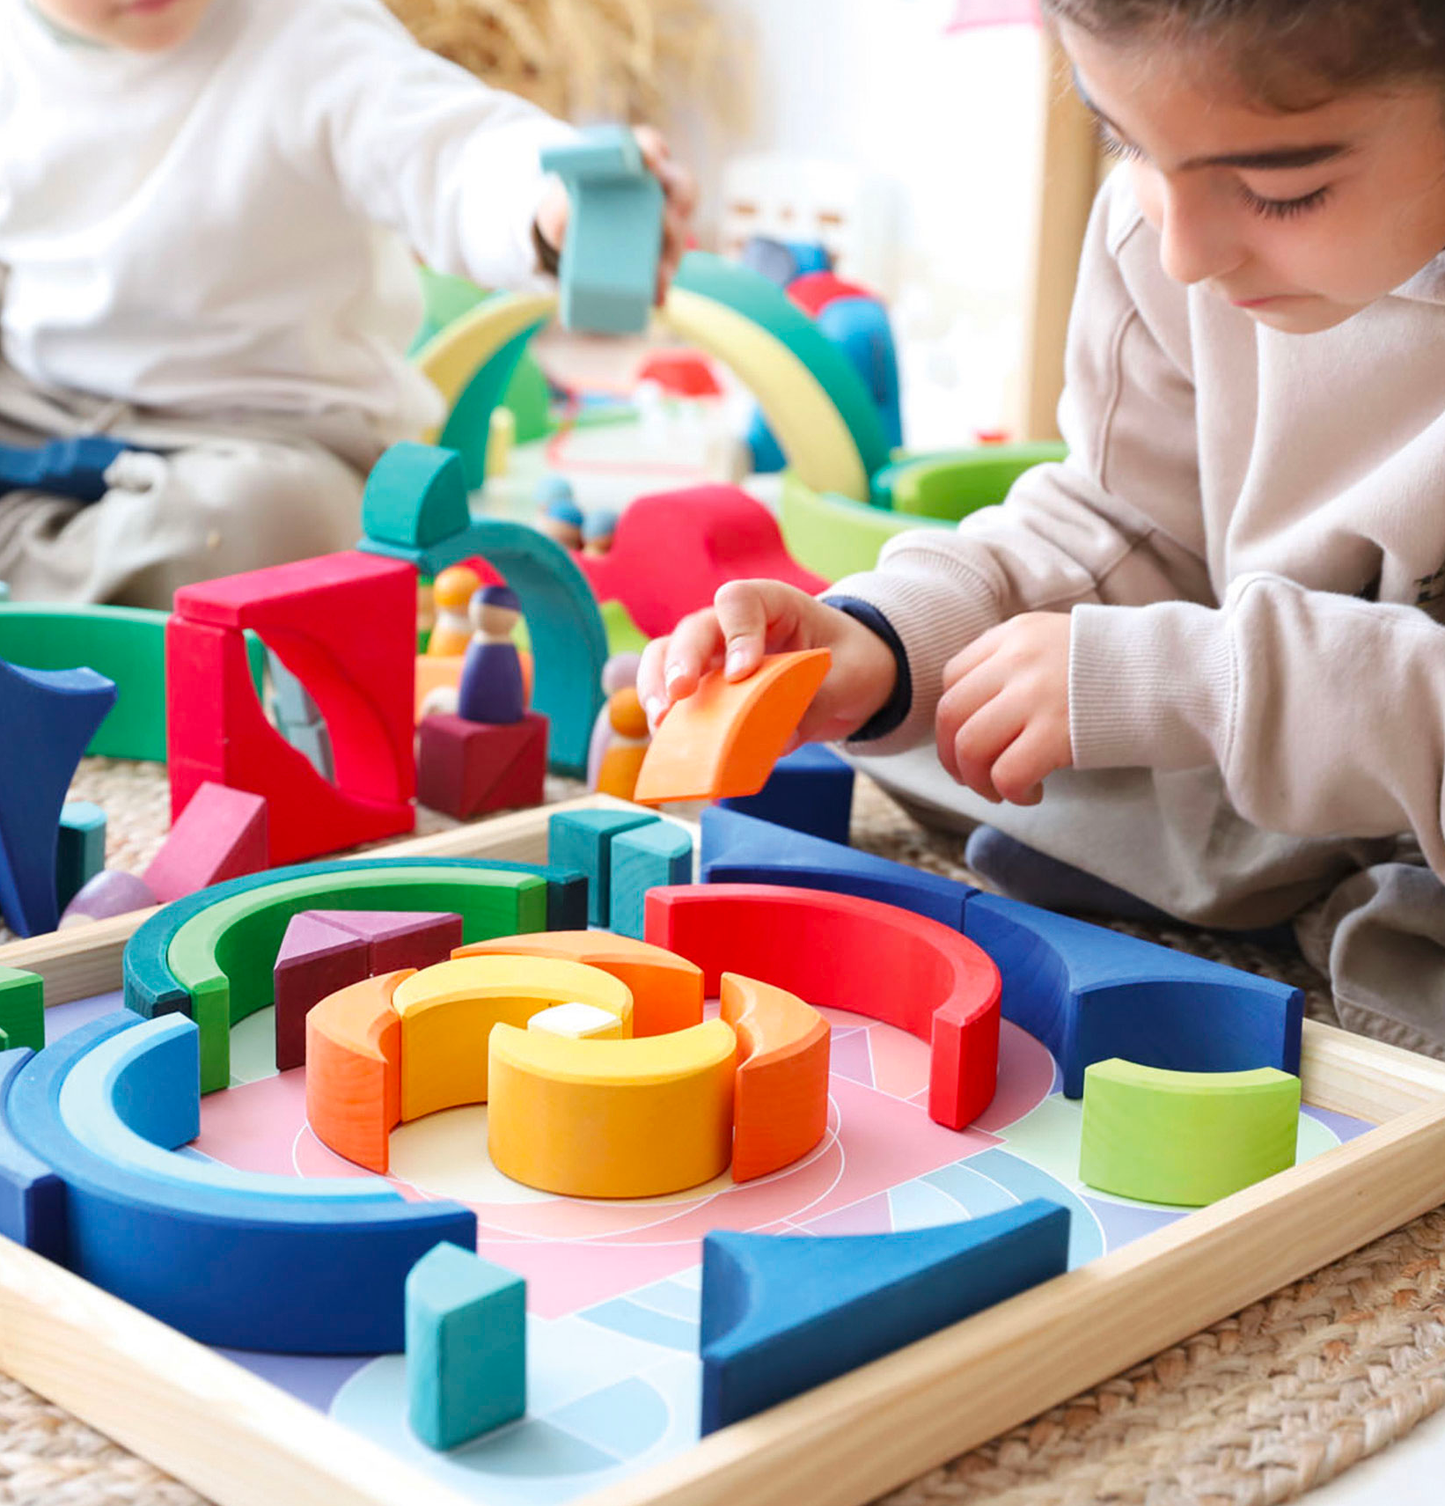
pixel 243 1442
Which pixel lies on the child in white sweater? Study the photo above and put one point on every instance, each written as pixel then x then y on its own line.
pixel 1203 659
pixel 208 211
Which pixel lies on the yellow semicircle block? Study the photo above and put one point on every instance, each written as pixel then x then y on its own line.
pixel 808 425
pixel 631 1118
pixel 454 355
pixel 667 991
pixel 448 1011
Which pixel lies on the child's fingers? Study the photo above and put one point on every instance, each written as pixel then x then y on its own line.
pixel 750 615
pixel 650 682
pixel 695 645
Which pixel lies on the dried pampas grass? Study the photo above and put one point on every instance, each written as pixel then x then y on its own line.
pixel 601 59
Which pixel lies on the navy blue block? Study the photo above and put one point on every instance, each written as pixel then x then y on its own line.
pixel 783 1313
pixel 46 719
pixel 739 849
pixel 811 790
pixel 32 1197
pixel 1090 994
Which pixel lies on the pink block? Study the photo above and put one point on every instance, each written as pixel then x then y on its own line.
pixel 315 959
pixel 221 834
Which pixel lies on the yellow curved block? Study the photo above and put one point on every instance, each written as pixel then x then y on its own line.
pixel 805 419
pixel 612 1118
pixel 667 990
pixel 453 356
pixel 448 1011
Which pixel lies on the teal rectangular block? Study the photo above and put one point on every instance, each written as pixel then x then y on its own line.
pixel 582 840
pixel 614 232
pixel 22 1009
pixel 79 848
pixel 642 859
pixel 466 1346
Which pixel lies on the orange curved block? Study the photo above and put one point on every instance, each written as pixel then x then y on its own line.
pixel 448 1012
pixel 353 1069
pixel 780 1097
pixel 666 990
pixel 724 739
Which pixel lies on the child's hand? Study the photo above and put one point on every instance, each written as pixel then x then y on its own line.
pixel 1003 721
pixel 750 618
pixel 680 196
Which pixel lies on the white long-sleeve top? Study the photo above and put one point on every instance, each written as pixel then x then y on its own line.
pixel 228 225
pixel 1249 533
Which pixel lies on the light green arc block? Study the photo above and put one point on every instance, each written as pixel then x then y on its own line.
pixel 1185 1138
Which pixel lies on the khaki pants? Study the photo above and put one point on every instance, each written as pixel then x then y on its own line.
pixel 229 493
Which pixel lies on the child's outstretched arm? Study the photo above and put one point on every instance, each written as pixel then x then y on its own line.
pixel 750 618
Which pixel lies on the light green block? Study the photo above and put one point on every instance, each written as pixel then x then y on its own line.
pixel 22 1009
pixel 1185 1138
pixel 466 1346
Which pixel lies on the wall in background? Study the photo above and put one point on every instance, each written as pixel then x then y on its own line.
pixel 953 121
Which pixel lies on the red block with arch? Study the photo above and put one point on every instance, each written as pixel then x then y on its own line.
pixel 345 625
pixel 672 550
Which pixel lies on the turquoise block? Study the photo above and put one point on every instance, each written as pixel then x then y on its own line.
pixel 614 233
pixel 466 1346
pixel 642 859
pixel 582 840
pixel 22 1008
pixel 79 850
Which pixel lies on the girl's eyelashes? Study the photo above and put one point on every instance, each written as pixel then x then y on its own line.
pixel 1112 146
pixel 1270 209
pixel 1284 209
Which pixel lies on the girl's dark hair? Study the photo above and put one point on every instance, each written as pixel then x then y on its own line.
pixel 1289 54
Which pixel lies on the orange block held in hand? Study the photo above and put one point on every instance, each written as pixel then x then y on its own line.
pixel 726 736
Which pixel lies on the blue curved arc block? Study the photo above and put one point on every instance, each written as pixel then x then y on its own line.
pixel 151 988
pixel 1090 994
pixel 783 1313
pixel 135 1099
pixel 32 1197
pixel 327 1277
pixel 740 849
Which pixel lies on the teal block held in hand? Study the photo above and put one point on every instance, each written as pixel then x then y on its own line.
pixel 614 232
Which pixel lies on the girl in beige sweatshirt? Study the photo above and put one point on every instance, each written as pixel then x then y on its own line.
pixel 1203 659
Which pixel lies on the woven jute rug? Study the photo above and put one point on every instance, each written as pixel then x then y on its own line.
pixel 1255 1410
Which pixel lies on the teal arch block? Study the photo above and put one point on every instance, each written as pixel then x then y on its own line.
pixel 784 1313
pixel 642 859
pixel 415 508
pixel 466 1346
pixel 583 840
pixel 608 268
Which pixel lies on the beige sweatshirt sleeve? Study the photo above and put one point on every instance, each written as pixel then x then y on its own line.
pixel 1118 521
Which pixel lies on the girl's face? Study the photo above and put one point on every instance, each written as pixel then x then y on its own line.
pixel 136 25
pixel 1299 219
